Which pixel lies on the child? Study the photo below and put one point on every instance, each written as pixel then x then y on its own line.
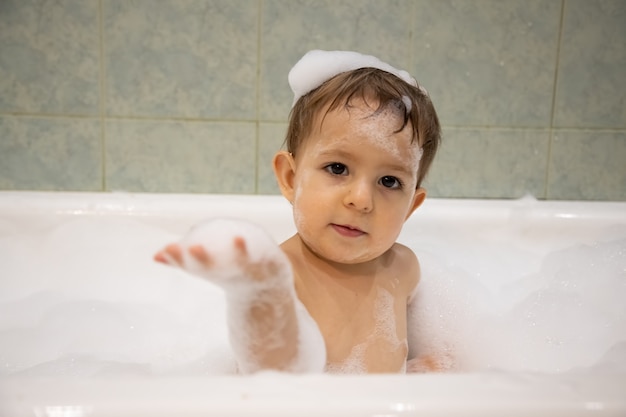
pixel 335 296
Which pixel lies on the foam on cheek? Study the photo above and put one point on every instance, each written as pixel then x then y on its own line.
pixel 298 217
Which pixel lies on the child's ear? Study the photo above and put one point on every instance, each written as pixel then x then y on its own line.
pixel 285 171
pixel 418 199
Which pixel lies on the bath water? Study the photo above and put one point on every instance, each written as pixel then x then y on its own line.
pixel 84 297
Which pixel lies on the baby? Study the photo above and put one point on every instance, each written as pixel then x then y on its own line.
pixel 335 296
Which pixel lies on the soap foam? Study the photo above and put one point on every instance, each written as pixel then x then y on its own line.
pixel 385 331
pixel 317 66
pixel 88 290
pixel 85 298
pixel 553 312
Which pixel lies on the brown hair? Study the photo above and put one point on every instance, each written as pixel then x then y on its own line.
pixel 369 83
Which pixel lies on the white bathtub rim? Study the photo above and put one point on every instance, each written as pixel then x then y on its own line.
pixel 32 202
pixel 477 394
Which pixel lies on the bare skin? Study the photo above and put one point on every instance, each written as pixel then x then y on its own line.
pixel 361 312
pixel 265 326
pixel 352 185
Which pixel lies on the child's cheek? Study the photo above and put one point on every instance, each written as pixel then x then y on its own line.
pixel 299 202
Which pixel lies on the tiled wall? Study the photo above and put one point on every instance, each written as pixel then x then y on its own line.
pixel 191 95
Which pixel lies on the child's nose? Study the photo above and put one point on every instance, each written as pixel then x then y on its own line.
pixel 359 196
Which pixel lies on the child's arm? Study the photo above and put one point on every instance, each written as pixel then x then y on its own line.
pixel 426 353
pixel 269 329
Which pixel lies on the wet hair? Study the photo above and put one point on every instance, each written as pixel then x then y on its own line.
pixel 369 84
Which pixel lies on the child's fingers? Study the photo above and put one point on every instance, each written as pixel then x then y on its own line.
pixel 159 257
pixel 240 247
pixel 201 255
pixel 170 253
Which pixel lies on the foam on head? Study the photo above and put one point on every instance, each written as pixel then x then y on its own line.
pixel 318 66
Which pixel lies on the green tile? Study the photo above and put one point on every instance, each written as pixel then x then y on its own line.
pixel 293 27
pixel 50 154
pixel 195 94
pixel 179 157
pixel 193 59
pixel 49 57
pixel 271 138
pixel 488 62
pixel 490 163
pixel 592 72
pixel 588 165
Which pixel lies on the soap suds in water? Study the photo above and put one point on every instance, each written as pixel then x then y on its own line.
pixel 83 296
pixel 385 331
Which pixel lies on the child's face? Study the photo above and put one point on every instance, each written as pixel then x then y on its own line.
pixel 355 183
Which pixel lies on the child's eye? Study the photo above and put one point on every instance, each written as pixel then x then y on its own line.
pixel 337 169
pixel 390 182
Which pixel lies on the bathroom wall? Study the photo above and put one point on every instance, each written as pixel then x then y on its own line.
pixel 192 96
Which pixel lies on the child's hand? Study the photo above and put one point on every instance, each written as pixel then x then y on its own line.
pixel 442 362
pixel 227 252
pixel 268 327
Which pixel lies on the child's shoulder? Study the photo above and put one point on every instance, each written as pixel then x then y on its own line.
pixel 405 262
pixel 404 254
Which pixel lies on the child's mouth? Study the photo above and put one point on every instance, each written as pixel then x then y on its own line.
pixel 348 231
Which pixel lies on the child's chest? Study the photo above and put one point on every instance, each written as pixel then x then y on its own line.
pixel 364 325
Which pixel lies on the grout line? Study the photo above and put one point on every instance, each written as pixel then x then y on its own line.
pixel 284 122
pixel 535 128
pixel 554 98
pixel 556 66
pixel 128 118
pixel 51 115
pixel 258 96
pixel 102 101
pixel 494 128
pixel 412 15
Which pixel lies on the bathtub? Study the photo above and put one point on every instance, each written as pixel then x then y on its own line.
pixel 528 295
